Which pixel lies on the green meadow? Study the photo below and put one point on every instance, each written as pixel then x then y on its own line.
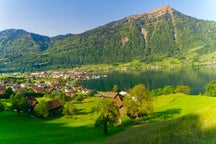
pixel 177 119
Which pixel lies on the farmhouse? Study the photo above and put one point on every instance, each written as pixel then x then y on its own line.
pixel 118 98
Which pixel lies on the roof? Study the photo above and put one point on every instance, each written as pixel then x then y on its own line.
pixel 118 98
pixel 37 89
pixel 2 90
pixel 31 101
pixel 54 104
pixel 110 94
pixel 118 102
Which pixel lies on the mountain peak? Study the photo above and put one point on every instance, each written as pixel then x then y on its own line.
pixel 155 13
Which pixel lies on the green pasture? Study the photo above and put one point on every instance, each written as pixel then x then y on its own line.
pixel 177 119
pixel 25 129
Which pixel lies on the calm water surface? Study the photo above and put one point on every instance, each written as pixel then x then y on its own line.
pixel 196 78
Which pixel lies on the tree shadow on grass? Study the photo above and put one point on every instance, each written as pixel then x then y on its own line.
pixel 163 115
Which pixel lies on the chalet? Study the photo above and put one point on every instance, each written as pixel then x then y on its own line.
pixel 118 98
pixel 54 105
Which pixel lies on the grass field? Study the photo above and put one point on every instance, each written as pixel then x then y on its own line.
pixel 178 119
pixel 28 130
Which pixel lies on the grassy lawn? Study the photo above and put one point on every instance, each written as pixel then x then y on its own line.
pixel 78 129
pixel 178 119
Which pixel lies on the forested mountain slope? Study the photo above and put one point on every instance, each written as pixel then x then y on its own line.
pixel 150 37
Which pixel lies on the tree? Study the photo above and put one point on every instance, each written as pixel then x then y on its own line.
pixel 168 90
pixel 19 103
pixel 211 88
pixel 107 114
pixel 8 92
pixel 183 89
pixel 115 88
pixel 138 103
pixel 69 109
pixel 156 92
pixel 42 109
pixel 2 107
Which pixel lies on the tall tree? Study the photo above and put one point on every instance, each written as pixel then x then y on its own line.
pixel 115 88
pixel 42 109
pixel 19 103
pixel 138 102
pixel 107 114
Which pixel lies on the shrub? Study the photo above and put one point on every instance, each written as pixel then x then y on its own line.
pixel 156 92
pixel 168 90
pixel 69 109
pixel 183 89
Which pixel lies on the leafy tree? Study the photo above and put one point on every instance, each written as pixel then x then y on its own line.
pixel 115 88
pixel 183 89
pixel 107 114
pixel 80 97
pixel 42 109
pixel 168 90
pixel 19 103
pixel 8 92
pixel 2 107
pixel 156 92
pixel 138 103
pixel 211 88
pixel 69 109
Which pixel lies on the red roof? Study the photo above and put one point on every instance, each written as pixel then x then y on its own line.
pixel 54 104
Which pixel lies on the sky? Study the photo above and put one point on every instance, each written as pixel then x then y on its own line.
pixel 54 17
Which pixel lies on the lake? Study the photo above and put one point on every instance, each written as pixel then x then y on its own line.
pixel 196 78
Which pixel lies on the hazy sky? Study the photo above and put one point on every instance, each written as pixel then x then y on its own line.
pixel 53 17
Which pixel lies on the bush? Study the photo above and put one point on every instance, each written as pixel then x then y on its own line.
pixel 183 89
pixel 69 109
pixel 168 90
pixel 211 88
pixel 156 92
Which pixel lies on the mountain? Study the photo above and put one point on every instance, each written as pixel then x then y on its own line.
pixel 159 35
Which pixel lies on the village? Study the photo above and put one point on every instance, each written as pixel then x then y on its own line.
pixel 59 86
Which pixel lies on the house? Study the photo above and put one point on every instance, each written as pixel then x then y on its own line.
pixel 70 94
pixel 54 104
pixel 118 98
pixel 32 102
pixel 2 89
pixel 37 89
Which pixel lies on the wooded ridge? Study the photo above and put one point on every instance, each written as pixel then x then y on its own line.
pixel 151 37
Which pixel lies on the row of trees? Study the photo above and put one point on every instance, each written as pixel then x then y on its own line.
pixel 170 90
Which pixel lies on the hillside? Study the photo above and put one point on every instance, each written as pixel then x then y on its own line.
pixel 178 119
pixel 163 34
